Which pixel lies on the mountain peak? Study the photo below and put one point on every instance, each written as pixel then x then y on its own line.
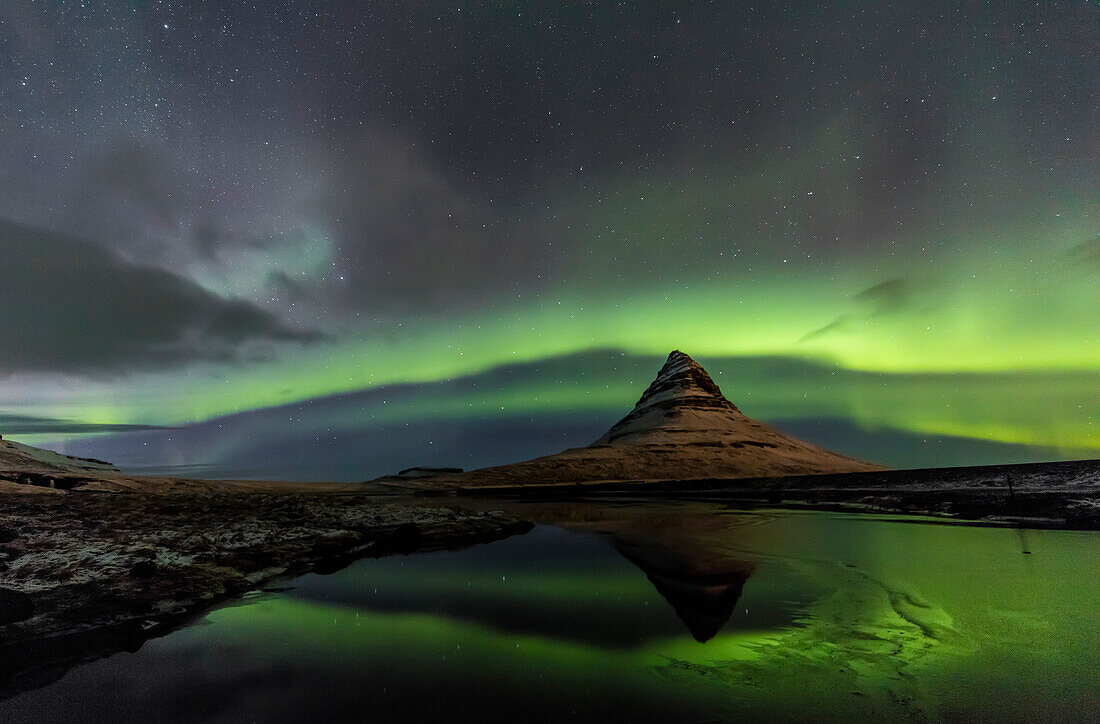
pixel 681 377
pixel 682 386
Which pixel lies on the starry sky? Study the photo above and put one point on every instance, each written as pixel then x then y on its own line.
pixel 237 235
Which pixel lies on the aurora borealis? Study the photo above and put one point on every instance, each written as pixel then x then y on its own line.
pixel 877 224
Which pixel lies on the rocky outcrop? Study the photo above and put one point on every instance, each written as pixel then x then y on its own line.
pixel 425 472
pixel 682 427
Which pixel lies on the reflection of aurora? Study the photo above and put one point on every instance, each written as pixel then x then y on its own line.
pixel 899 623
pixel 870 645
pixel 878 619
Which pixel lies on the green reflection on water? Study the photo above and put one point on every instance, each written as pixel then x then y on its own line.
pixel 907 620
pixel 840 618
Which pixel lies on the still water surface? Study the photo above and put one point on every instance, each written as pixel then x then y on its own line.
pixel 640 612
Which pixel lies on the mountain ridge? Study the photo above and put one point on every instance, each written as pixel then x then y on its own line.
pixel 19 458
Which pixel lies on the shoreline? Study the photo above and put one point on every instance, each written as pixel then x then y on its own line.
pixel 1063 494
pixel 85 574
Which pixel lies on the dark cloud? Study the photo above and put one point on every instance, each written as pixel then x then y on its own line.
pixel 907 449
pixel 892 295
pixel 413 236
pixel 131 198
pixel 136 174
pixel 206 239
pixel 839 323
pixel 74 307
pixel 888 297
pixel 1086 254
pixel 30 424
pixel 468 152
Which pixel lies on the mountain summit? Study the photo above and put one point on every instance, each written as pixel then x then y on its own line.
pixel 682 397
pixel 681 428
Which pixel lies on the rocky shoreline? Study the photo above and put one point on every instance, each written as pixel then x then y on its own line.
pixel 109 561
pixel 84 574
pixel 1039 495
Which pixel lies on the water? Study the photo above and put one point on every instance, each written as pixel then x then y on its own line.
pixel 642 612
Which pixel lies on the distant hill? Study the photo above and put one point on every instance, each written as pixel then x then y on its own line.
pixel 19 458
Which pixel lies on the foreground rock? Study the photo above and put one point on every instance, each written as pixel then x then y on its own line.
pixel 681 428
pixel 84 574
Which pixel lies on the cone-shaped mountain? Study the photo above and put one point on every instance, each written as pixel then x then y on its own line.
pixel 682 427
pixel 682 398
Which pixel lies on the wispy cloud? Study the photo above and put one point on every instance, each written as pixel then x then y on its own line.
pixel 74 307
pixel 884 298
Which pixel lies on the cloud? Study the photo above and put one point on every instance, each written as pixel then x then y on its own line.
pixel 837 324
pixel 898 419
pixel 74 307
pixel 1086 254
pixel 411 235
pixel 137 174
pixel 888 297
pixel 130 197
pixel 384 226
pixel 885 297
pixel 30 424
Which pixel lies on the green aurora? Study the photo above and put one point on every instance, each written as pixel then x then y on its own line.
pixel 1001 346
pixel 909 237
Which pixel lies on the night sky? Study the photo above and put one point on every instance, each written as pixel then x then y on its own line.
pixel 390 234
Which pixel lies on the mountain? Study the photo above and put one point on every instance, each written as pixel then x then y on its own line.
pixel 683 427
pixel 17 458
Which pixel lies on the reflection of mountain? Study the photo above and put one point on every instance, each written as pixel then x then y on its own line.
pixel 703 601
pixel 684 551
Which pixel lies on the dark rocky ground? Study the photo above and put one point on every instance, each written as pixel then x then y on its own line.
pixel 1053 495
pixel 85 574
